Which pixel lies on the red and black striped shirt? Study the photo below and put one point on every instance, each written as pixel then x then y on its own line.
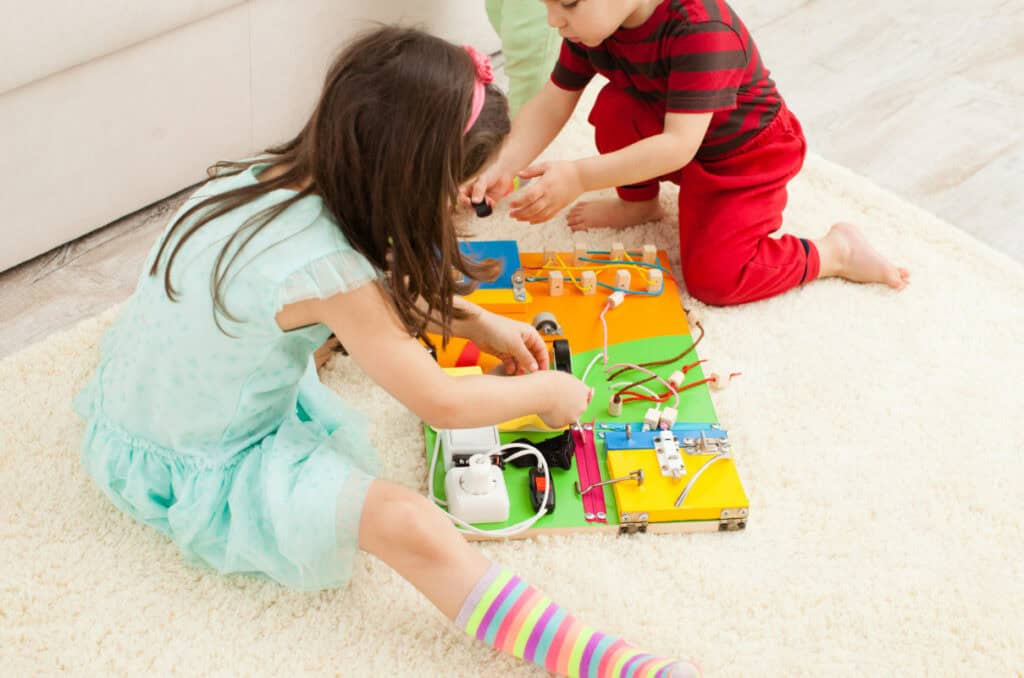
pixel 690 56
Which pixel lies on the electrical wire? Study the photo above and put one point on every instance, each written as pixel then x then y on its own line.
pixel 653 376
pixel 604 327
pixel 656 363
pixel 644 388
pixel 586 372
pixel 640 266
pixel 657 263
pixel 613 288
pixel 686 490
pixel 568 269
pixel 605 264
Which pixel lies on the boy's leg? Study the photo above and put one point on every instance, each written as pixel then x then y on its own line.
pixel 620 120
pixel 417 540
pixel 529 44
pixel 728 211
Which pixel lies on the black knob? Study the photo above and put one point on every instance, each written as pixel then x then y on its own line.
pixel 482 209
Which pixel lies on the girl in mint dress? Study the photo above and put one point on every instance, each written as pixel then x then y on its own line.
pixel 206 419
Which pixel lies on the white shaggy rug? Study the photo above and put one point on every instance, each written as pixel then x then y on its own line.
pixel 880 436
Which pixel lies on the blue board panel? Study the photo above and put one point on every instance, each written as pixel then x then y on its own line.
pixel 505 250
pixel 644 440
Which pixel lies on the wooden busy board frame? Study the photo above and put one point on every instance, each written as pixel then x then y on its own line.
pixel 644 328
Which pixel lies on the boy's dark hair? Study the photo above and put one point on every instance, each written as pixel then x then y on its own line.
pixel 386 152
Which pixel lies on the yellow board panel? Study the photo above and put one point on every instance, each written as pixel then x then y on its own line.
pixel 501 301
pixel 530 422
pixel 463 371
pixel 717 489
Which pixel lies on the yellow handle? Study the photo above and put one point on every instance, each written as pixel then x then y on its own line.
pixel 530 422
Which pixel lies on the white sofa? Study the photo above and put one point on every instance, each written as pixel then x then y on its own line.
pixel 109 106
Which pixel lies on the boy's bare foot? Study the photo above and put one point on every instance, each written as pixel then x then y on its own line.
pixel 613 213
pixel 846 253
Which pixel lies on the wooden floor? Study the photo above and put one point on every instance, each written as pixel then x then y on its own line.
pixel 924 97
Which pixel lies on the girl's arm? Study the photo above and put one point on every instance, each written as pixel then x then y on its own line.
pixel 460 328
pixel 380 345
pixel 518 344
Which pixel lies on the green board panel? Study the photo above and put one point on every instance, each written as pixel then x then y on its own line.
pixel 694 405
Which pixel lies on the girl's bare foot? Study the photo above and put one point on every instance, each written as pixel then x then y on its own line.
pixel 846 253
pixel 613 213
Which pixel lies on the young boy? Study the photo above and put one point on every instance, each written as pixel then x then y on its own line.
pixel 689 101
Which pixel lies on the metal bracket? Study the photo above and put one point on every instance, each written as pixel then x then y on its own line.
pixel 631 523
pixel 519 285
pixel 732 520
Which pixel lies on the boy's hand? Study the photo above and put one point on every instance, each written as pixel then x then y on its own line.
pixel 556 185
pixel 518 344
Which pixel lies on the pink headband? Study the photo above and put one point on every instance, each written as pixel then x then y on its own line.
pixel 484 75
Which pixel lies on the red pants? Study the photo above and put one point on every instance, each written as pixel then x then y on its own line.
pixel 728 207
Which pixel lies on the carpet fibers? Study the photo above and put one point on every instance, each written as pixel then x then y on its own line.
pixel 880 436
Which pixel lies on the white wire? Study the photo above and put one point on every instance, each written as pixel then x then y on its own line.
pixel 586 372
pixel 604 327
pixel 508 530
pixel 689 485
pixel 631 366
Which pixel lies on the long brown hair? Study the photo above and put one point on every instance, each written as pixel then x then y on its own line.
pixel 385 150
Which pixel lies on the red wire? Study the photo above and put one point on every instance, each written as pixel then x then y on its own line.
pixel 633 395
pixel 664 396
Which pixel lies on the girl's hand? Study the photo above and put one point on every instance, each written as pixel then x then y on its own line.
pixel 567 398
pixel 557 184
pixel 518 344
pixel 493 184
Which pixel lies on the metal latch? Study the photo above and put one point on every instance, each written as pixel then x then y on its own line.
pixel 666 449
pixel 631 523
pixel 705 445
pixel 731 520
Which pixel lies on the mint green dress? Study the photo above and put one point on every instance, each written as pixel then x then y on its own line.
pixel 230 445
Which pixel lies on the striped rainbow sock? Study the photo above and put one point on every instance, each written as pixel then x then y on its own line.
pixel 504 611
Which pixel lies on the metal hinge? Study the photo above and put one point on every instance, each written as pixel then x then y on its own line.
pixel 731 520
pixel 631 523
